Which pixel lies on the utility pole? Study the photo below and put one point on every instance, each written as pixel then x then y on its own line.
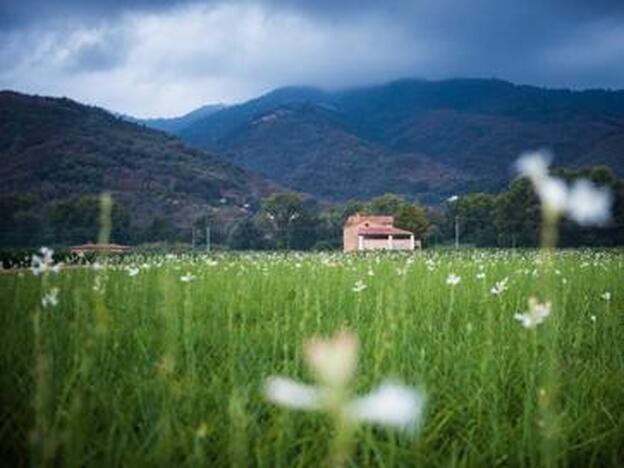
pixel 452 201
pixel 207 238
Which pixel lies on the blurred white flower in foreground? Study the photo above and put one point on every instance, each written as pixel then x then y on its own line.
pixel 390 404
pixel 537 314
pixel 453 279
pixel 534 165
pixel 584 202
pixel 359 286
pixel 333 362
pixel 553 193
pixel 291 394
pixel 588 204
pixel 43 263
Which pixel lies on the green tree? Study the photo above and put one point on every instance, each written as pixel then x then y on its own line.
pixel 77 220
pixel 247 235
pixel 476 213
pixel 517 216
pixel 282 210
pixel 387 204
pixel 413 218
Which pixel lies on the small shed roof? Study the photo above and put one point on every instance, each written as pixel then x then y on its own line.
pixel 100 248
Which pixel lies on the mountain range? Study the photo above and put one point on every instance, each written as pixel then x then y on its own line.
pixel 423 139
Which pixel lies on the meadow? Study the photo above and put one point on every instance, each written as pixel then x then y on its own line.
pixel 161 360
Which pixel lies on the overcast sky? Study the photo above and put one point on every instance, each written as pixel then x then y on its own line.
pixel 166 57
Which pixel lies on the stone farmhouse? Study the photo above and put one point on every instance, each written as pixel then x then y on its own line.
pixel 364 232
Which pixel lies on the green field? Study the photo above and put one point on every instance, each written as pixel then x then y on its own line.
pixel 149 370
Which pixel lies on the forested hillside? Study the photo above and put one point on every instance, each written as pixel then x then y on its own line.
pixel 422 139
pixel 58 156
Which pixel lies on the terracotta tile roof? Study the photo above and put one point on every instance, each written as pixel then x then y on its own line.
pixel 382 231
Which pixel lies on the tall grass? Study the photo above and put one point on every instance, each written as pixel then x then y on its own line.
pixel 149 370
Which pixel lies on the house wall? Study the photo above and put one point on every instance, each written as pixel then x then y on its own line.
pixel 375 243
pixel 383 244
pixel 350 238
pixel 401 244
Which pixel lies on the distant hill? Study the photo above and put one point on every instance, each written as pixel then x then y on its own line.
pixel 176 124
pixel 55 149
pixel 423 139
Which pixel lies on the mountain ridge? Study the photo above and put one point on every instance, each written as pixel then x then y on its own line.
pixel 57 149
pixel 464 134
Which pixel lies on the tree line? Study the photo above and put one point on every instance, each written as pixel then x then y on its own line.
pixel 288 220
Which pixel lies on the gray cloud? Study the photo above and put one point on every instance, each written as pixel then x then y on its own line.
pixel 163 57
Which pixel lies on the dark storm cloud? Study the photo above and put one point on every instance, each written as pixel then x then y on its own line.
pixel 20 13
pixel 186 51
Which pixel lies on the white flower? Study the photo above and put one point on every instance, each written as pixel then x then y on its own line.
pixel 453 279
pixel 537 314
pixel 133 271
pixel 583 202
pixel 606 296
pixel 44 263
pixel 97 284
pixel 500 287
pixel 391 404
pixel 359 286
pixel 334 362
pixel 480 275
pixel 51 298
pixel 588 204
pixel 187 278
pixel 291 394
